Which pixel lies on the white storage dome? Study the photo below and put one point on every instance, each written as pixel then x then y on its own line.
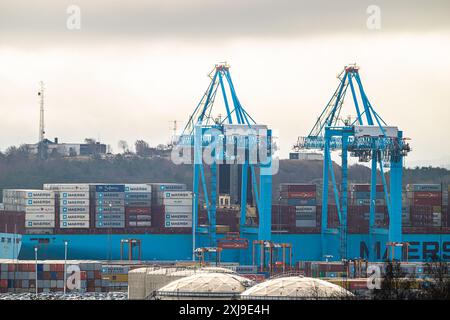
pixel 289 288
pixel 205 286
pixel 136 283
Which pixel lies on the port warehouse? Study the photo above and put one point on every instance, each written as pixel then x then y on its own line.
pixel 164 232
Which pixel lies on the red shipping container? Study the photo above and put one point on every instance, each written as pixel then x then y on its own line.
pixel 427 201
pixel 4 283
pixel 59 267
pixel 357 284
pixel 11 267
pixel 83 275
pixel 427 195
pixel 365 187
pixel 301 195
pixel 297 187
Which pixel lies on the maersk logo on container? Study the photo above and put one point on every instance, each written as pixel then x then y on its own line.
pixel 178 194
pixel 75 194
pixel 138 188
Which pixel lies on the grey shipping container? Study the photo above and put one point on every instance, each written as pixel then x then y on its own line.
pixel 111 216
pixel 110 224
pixel 110 195
pixel 108 209
pixel 113 202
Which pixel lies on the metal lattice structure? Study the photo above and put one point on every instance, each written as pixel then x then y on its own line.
pixel 232 140
pixel 367 138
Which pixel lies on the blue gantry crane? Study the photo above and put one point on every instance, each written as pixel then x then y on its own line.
pixel 369 139
pixel 234 139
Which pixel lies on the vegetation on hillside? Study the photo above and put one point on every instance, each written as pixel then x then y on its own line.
pixel 19 169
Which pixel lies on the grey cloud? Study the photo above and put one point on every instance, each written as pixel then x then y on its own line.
pixel 208 19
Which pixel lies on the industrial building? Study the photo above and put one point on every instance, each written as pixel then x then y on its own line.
pixel 67 149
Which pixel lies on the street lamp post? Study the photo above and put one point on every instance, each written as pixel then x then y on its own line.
pixel 35 269
pixel 65 266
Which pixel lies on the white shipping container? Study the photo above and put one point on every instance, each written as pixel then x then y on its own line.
pixel 176 194
pixel 40 202
pixel 28 194
pixel 138 187
pixel 74 224
pixel 39 224
pixel 41 209
pixel 161 187
pixel 74 202
pixel 177 202
pixel 67 186
pixel 178 216
pixel 375 131
pixel 178 224
pixel 74 194
pixel 40 216
pixel 74 216
pixel 305 209
pixel 178 209
pixel 29 202
pixel 74 210
pixel 139 224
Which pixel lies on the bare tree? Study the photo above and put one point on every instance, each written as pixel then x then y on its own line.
pixel 438 280
pixel 89 140
pixel 123 145
pixel 396 284
pixel 142 148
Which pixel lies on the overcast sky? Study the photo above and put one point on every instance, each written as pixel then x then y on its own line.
pixel 133 67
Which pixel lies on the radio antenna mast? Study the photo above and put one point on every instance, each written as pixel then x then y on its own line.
pixel 41 117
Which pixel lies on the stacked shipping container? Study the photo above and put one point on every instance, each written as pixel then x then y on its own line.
pixel 138 203
pixel 73 204
pixel 20 276
pixel 38 205
pixel 360 196
pixel 176 203
pixel 425 203
pixel 303 198
pixel 109 205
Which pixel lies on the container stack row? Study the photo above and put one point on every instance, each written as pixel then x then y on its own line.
pixel 360 197
pixel 177 203
pixel 20 276
pixel 138 205
pixel 424 202
pixel 302 199
pixel 38 205
pixel 72 206
pixel 109 206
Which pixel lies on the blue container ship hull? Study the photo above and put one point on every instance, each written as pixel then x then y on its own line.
pixel 10 245
pixel 178 247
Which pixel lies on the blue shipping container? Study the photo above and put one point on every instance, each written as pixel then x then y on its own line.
pixel 110 188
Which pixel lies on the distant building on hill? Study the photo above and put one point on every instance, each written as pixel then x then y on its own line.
pixel 67 149
pixel 305 156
